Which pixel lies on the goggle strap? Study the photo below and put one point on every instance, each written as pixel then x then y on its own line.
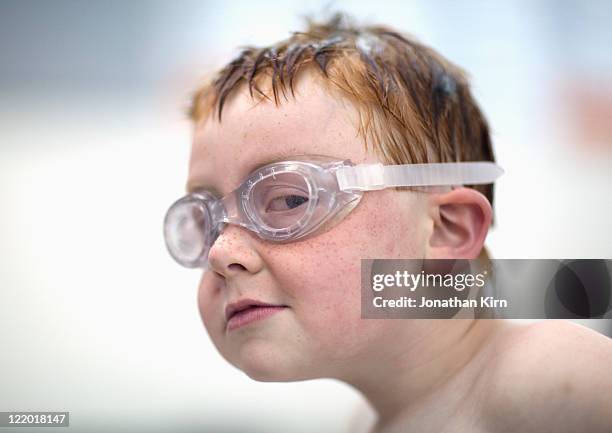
pixel 369 177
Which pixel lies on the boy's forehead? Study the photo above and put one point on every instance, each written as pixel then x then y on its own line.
pixel 252 133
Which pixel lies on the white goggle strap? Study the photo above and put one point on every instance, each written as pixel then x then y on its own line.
pixel 368 177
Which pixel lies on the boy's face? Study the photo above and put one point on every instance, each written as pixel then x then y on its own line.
pixel 318 278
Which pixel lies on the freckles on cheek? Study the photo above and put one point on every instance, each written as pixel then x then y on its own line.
pixel 319 268
pixel 399 240
pixel 323 273
pixel 329 301
pixel 389 229
pixel 320 275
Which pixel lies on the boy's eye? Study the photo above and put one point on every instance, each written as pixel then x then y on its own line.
pixel 286 202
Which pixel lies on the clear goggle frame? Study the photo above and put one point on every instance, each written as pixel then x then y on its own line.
pixel 292 199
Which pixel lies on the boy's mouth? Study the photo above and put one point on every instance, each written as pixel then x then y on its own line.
pixel 246 304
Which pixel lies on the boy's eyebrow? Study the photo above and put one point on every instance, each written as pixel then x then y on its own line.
pixel 193 185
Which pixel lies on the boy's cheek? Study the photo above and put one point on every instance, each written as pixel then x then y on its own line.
pixel 382 226
pixel 323 274
pixel 211 308
pixel 208 314
pixel 328 266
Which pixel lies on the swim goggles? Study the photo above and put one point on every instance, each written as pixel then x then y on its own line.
pixel 289 200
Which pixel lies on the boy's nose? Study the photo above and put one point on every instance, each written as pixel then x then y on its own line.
pixel 234 252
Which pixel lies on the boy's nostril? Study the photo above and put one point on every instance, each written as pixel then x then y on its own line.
pixel 236 267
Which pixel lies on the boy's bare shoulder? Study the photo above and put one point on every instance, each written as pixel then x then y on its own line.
pixel 548 376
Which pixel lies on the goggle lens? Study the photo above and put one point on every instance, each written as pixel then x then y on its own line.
pixel 280 200
pixel 187 231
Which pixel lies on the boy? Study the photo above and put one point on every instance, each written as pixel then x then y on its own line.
pixel 280 295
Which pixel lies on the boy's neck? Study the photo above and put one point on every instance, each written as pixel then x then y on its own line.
pixel 421 372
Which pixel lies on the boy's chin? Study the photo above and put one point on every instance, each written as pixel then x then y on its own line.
pixel 276 375
pixel 273 368
pixel 271 360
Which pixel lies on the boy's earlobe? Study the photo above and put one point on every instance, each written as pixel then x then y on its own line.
pixel 461 219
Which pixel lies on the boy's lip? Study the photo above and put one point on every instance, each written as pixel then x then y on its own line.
pixel 243 304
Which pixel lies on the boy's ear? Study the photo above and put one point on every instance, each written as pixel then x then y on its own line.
pixel 461 220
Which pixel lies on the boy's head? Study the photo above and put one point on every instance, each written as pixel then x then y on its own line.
pixel 328 91
pixel 414 106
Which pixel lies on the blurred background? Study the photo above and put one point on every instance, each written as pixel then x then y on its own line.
pixel 96 319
